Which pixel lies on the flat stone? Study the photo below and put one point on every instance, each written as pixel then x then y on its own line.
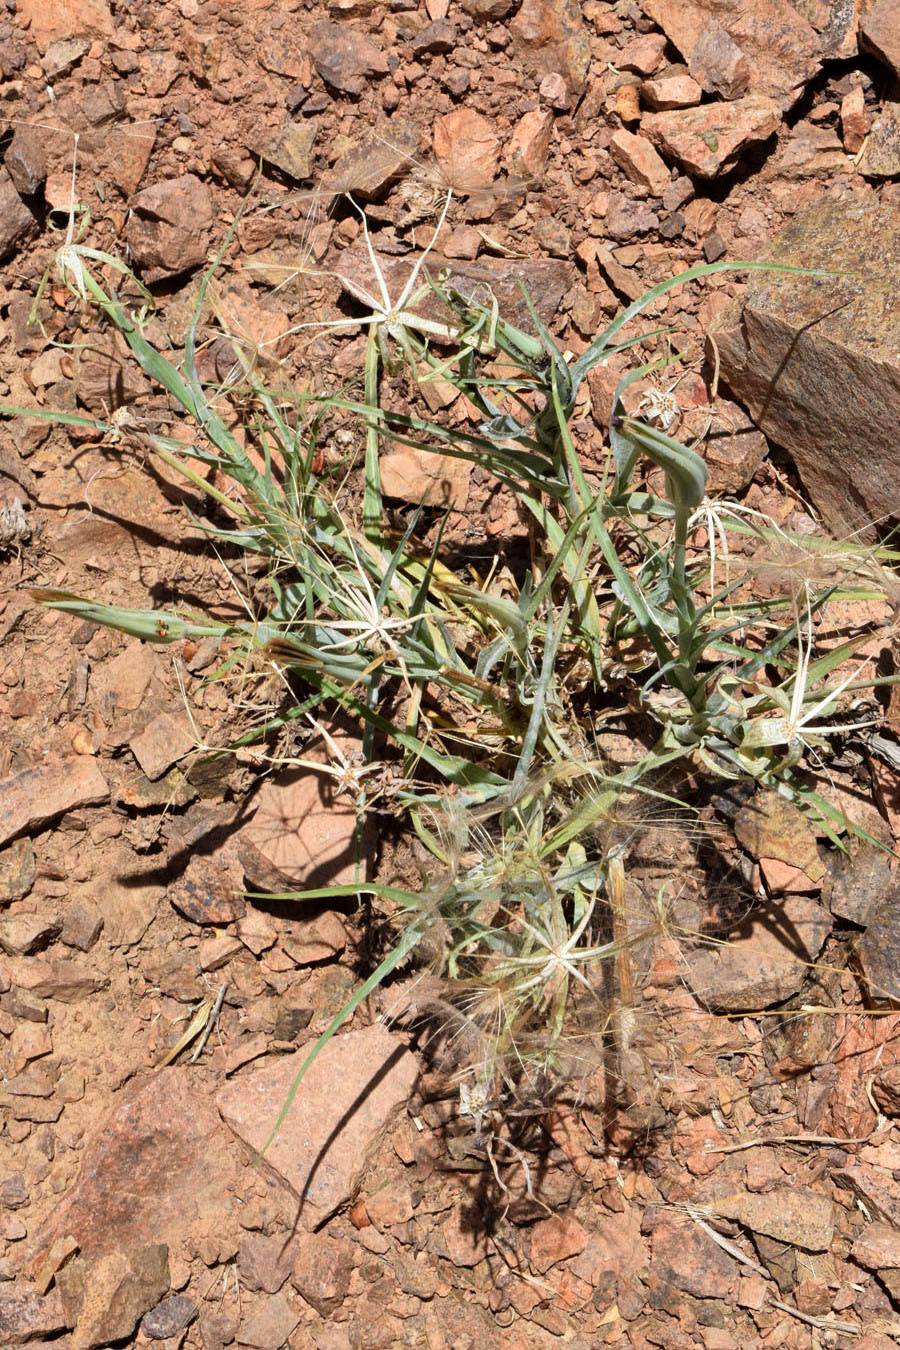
pixel 17 871
pixel 169 227
pixel 467 149
pixel 556 1239
pixel 798 1217
pixel 22 934
pixel 878 948
pixel 530 141
pixel 377 161
pixel 709 140
pixel 344 58
pixel 877 1189
pixel 25 159
pixel 322 1269
pixel 264 1263
pixel 67 981
pixel 886 1090
pixel 320 938
pixel 25 1314
pixel 777 50
pixel 347 1099
pixel 763 959
pixel 34 797
pixel 877 1247
pixel 105 1296
pixel 671 91
pixel 64 19
pixel 270 1326
pixel 289 149
pixel 162 742
pixel 423 477
pixel 553 38
pixel 169 1317
pixel 303 833
pixel 880 157
pixel 161 1161
pixel 546 281
pixel 636 156
pixel 805 354
pixel 687 1259
pixel 210 891
pixel 879 32
pixel 770 826
pixel 860 884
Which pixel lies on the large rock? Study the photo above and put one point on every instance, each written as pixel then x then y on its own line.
pixel 161 1161
pixel 763 960
pixel 106 1296
pixel 554 38
pixel 545 279
pixel 709 140
pixel 16 221
pixel 816 360
pixel 879 30
pixel 734 47
pixel 169 227
pixel 32 798
pixel 346 1101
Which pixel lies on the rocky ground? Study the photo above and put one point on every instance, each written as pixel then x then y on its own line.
pixel 744 1188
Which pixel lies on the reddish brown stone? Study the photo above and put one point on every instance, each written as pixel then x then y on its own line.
pixel 160 1161
pixel 879 31
pixel 170 226
pixel 467 149
pixel 322 1269
pixel 709 140
pixel 32 798
pixel 348 1096
pixel 735 47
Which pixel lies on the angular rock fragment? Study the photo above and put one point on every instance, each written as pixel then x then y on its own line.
pixel 424 478
pixel 764 958
pixel 270 1326
pixel 878 948
pixel 161 1160
pixel 105 1296
pixel 170 226
pixel 879 32
pixel 161 743
pixel 289 149
pixel 169 1317
pixel 805 354
pixel 16 221
pixel 347 1098
pixel 304 834
pixel 344 58
pixel 546 281
pixel 640 161
pixel 25 1314
pixel 73 18
pixel 322 1269
pixel 467 150
pixel 377 161
pixel 798 1217
pixel 710 139
pixel 733 47
pixel 22 934
pixel 528 146
pixel 672 91
pixel 880 157
pixel 211 889
pixel 25 159
pixel 32 798
pixel 554 39
pixel 67 981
